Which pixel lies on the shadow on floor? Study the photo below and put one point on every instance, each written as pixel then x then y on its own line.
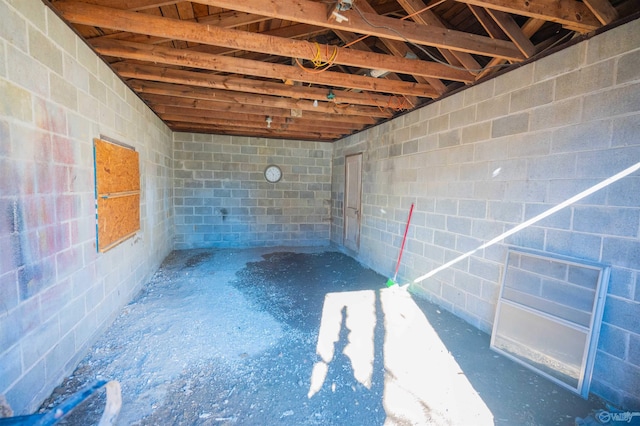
pixel 514 394
pixel 292 288
pixel 305 337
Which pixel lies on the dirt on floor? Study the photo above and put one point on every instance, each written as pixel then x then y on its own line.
pixel 304 337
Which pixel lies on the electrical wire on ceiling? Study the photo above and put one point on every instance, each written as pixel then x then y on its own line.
pixel 318 63
pixel 317 58
pixel 424 9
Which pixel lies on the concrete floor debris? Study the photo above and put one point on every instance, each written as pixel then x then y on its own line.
pixel 303 337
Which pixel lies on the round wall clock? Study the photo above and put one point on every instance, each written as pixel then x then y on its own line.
pixel 272 173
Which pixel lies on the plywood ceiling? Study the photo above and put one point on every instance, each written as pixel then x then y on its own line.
pixel 317 70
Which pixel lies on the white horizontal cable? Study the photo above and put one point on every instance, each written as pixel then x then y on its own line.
pixel 535 219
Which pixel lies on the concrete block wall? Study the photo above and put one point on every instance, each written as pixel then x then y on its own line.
pixel 223 200
pixel 487 158
pixel 56 292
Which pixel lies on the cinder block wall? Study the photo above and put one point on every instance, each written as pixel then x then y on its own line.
pixel 485 159
pixel 223 200
pixel 56 293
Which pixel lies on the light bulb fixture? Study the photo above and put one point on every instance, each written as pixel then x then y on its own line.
pixel 269 120
pixel 378 73
pixel 336 8
pixel 344 5
pixel 315 103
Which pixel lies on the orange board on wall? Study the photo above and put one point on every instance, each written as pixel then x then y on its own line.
pixel 117 193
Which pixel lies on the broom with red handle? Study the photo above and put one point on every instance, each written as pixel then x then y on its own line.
pixel 392 281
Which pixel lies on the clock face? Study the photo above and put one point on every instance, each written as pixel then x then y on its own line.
pixel 272 174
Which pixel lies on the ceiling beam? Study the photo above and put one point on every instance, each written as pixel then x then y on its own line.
pixel 427 17
pixel 266 133
pixel 238 84
pixel 315 13
pixel 175 29
pixel 290 31
pixel 344 126
pixel 200 79
pixel 513 31
pixel 133 4
pixel 528 29
pixel 603 10
pixel 176 101
pixel 347 37
pixel 400 49
pixel 569 13
pixel 488 23
pixel 258 124
pixel 228 19
pixel 169 56
pixel 325 107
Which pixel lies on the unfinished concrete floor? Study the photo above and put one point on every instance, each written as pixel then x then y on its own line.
pixel 303 337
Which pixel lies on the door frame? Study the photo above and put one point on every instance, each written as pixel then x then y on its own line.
pixel 344 202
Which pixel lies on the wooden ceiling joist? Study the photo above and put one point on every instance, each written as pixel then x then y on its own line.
pixel 488 23
pixel 571 13
pixel 133 4
pixel 201 79
pixel 513 31
pixel 174 29
pixel 257 125
pixel 277 120
pixel 245 109
pixel 169 56
pixel 380 26
pixel 603 10
pixel 427 17
pixel 342 126
pixel 351 38
pixel 265 133
pixel 224 66
pixel 325 107
pixel 528 29
pixel 400 49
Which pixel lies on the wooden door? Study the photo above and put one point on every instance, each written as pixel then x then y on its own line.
pixel 352 195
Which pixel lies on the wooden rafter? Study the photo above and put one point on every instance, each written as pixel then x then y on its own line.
pixel 223 20
pixel 603 10
pixel 199 79
pixel 400 49
pixel 569 13
pixel 264 133
pixel 427 17
pixel 380 26
pixel 207 118
pixel 488 23
pixel 85 14
pixel 328 108
pixel 351 38
pixel 528 29
pixel 133 4
pixel 513 31
pixel 223 66
pixel 277 120
pixel 169 56
pixel 173 101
